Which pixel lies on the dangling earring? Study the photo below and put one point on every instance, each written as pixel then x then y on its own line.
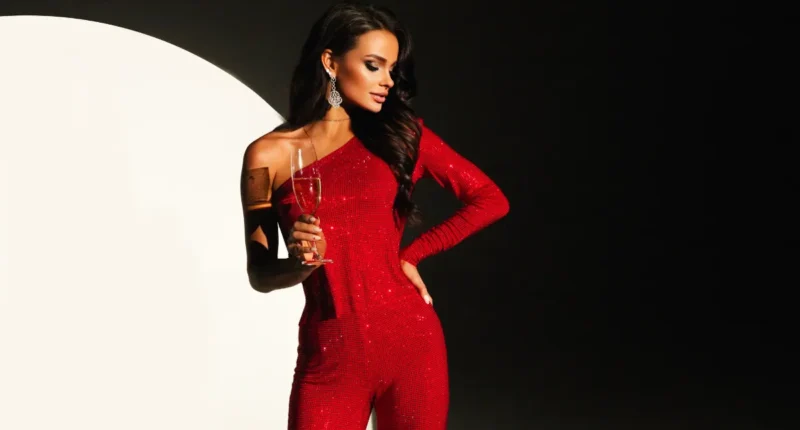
pixel 334 98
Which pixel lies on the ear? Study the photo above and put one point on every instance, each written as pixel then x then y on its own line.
pixel 328 62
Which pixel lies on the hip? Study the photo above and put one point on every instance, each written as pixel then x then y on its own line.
pixel 400 317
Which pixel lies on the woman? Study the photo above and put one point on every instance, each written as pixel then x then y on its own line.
pixel 368 335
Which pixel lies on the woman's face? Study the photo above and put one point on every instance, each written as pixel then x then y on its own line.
pixel 362 74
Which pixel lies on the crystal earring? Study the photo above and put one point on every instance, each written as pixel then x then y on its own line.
pixel 334 98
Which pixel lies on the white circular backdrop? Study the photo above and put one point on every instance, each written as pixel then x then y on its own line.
pixel 124 300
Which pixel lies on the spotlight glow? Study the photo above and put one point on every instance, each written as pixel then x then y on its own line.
pixel 124 302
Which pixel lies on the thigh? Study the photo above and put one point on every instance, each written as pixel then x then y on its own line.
pixel 418 397
pixel 330 389
pixel 318 407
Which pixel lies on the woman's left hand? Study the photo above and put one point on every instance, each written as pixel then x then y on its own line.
pixel 413 275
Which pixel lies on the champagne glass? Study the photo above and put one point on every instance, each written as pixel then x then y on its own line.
pixel 307 187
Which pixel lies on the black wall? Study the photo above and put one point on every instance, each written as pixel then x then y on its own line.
pixel 640 280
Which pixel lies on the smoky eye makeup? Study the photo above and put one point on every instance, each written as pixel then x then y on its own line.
pixel 371 66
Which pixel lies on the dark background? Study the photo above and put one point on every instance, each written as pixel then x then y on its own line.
pixel 643 277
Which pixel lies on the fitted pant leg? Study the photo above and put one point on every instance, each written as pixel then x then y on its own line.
pixel 331 389
pixel 328 407
pixel 417 396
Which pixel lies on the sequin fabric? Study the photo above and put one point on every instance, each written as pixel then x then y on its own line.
pixel 366 337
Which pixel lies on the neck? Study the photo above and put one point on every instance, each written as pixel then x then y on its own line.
pixel 336 115
pixel 333 127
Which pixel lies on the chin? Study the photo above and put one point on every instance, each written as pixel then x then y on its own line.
pixel 370 105
pixel 373 107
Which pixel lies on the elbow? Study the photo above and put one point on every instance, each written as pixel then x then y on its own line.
pixel 499 206
pixel 492 204
pixel 252 276
pixel 257 281
pixel 505 207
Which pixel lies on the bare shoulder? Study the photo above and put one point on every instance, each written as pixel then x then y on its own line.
pixel 269 150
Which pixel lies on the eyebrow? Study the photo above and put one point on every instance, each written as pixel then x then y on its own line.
pixel 379 58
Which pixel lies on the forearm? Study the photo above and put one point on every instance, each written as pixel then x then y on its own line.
pixel 490 206
pixel 278 274
pixel 484 202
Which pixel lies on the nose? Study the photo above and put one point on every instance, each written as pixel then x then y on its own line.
pixel 387 81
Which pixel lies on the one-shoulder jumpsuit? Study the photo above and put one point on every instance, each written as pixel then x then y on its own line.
pixel 366 336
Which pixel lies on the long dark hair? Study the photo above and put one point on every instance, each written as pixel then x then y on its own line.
pixel 393 134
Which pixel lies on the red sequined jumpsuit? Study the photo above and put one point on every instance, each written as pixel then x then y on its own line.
pixel 366 336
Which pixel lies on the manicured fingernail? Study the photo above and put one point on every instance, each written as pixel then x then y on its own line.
pixel 317 229
pixel 317 238
pixel 312 219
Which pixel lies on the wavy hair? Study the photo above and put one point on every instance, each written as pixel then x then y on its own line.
pixel 393 134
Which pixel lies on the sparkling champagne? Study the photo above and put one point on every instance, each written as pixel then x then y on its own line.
pixel 308 192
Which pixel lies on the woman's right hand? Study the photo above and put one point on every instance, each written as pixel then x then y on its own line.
pixel 305 230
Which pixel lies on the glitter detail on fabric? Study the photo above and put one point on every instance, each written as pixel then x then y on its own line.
pixel 366 337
